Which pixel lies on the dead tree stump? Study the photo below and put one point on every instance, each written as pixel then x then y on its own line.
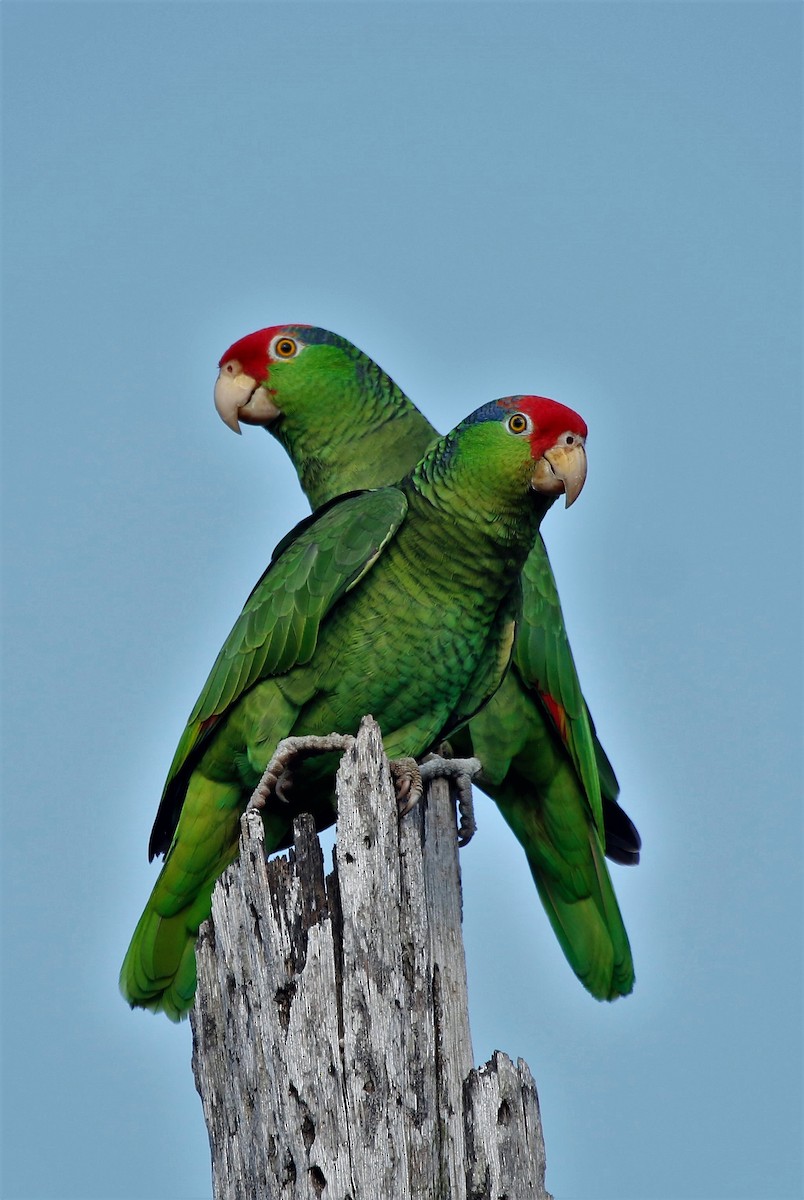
pixel 331 1043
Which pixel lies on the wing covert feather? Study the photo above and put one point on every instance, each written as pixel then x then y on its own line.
pixel 279 625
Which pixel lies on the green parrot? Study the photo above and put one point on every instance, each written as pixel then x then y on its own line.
pixel 400 602
pixel 346 425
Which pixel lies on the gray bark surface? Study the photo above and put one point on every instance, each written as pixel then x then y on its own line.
pixel 331 1043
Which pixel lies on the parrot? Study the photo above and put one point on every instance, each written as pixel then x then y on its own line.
pixel 400 602
pixel 346 425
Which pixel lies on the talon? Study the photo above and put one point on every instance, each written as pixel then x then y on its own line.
pixel 282 786
pixel 407 779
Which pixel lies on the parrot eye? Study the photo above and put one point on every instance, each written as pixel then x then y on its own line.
pixel 518 423
pixel 284 347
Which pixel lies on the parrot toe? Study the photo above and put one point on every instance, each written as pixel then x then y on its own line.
pixel 277 776
pixel 461 771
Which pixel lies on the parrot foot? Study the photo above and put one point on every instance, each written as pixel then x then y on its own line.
pixel 407 779
pixel 277 777
pixel 461 771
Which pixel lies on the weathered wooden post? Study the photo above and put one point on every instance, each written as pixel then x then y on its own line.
pixel 331 1037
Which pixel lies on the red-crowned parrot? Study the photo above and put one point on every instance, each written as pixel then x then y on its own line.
pixel 399 602
pixel 346 425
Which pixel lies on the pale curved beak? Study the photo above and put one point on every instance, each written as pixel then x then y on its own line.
pixel 562 469
pixel 238 397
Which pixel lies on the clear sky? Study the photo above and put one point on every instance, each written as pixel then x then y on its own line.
pixel 595 201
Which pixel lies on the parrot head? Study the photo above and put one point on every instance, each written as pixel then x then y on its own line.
pixel 283 367
pixel 344 422
pixel 530 441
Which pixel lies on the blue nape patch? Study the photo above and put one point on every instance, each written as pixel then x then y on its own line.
pixel 313 336
pixel 495 410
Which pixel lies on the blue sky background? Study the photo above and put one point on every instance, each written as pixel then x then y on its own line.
pixel 595 201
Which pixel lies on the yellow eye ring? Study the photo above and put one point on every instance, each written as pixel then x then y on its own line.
pixel 518 423
pixel 285 347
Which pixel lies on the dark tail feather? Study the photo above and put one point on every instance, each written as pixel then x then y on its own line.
pixel 623 842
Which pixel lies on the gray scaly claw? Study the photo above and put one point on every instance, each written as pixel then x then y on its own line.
pixel 283 785
pixel 461 771
pixel 277 776
pixel 407 778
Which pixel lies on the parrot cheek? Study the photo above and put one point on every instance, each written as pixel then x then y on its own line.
pixel 259 409
pixel 545 480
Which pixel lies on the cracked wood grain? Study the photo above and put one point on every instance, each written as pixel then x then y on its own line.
pixel 331 1043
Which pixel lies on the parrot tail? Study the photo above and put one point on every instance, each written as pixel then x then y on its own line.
pixel 159 969
pixel 589 928
pixel 567 862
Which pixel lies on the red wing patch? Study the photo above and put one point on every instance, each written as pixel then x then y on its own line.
pixel 559 715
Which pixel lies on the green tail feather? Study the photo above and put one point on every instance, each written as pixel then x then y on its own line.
pixel 568 866
pixel 159 969
pixel 529 776
pixel 589 930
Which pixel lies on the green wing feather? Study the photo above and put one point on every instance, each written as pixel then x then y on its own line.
pixel 544 663
pixel 279 625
